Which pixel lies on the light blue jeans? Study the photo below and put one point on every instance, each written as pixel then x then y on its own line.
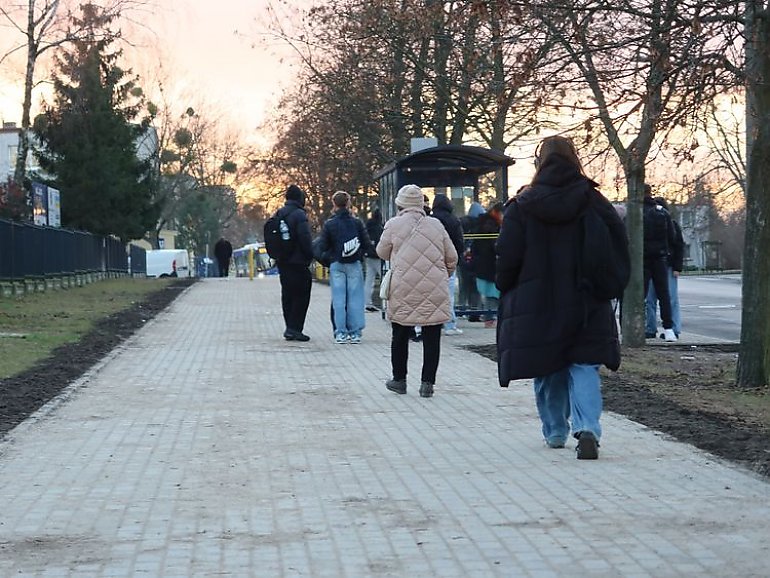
pixel 651 304
pixel 571 394
pixel 373 269
pixel 347 284
pixel 452 323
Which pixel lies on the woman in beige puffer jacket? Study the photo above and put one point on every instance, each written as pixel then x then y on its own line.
pixel 422 258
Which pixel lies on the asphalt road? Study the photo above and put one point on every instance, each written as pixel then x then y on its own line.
pixel 711 307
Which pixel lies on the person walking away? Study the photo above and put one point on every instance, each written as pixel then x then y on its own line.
pixel 675 264
pixel 659 237
pixel 415 333
pixel 293 270
pixel 345 239
pixel 223 251
pixel 469 293
pixel 373 262
pixel 483 257
pixel 550 328
pixel 443 210
pixel 422 258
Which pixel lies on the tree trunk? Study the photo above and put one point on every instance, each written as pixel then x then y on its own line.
pixel 20 170
pixel 396 121
pixel 754 358
pixel 416 98
pixel 633 299
pixel 462 102
pixel 498 92
pixel 442 47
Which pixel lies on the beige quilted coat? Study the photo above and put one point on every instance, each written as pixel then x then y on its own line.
pixel 421 264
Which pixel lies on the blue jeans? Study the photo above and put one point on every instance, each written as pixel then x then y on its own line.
pixel 347 284
pixel 573 393
pixel 452 323
pixel 651 304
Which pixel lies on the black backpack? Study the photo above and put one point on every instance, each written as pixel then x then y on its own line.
pixel 279 243
pixel 604 264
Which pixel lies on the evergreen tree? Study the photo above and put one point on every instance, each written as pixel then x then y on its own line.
pixel 88 138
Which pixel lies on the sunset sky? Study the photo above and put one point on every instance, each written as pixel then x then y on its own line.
pixel 236 74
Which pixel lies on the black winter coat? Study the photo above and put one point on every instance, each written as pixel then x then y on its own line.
pixel 444 212
pixel 544 322
pixel 299 229
pixel 659 231
pixel 223 250
pixel 483 250
pixel 374 229
pixel 676 255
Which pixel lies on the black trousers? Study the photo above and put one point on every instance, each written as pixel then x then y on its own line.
pixel 431 349
pixel 656 270
pixel 224 267
pixel 296 282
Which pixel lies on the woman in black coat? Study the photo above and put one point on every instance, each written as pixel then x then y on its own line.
pixel 548 329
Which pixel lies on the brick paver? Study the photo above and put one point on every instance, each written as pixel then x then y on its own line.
pixel 207 445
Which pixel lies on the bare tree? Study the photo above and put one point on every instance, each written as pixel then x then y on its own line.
pixel 44 26
pixel 200 169
pixel 647 66
pixel 754 359
pixel 459 71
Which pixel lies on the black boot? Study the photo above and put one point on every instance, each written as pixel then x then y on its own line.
pixel 426 389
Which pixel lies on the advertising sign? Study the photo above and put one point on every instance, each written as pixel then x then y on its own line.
pixel 54 207
pixel 40 203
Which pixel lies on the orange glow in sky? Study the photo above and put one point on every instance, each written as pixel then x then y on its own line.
pixel 201 54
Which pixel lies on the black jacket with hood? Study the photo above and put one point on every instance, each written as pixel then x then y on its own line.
pixel 374 229
pixel 544 322
pixel 443 210
pixel 299 229
pixel 483 250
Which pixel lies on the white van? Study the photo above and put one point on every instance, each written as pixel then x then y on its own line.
pixel 168 263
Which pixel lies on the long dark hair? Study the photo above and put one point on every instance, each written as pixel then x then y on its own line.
pixel 556 145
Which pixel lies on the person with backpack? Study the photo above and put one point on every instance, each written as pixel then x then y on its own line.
pixel 345 240
pixel 288 240
pixel 443 210
pixel 659 240
pixel 553 325
pixel 373 262
pixel 675 264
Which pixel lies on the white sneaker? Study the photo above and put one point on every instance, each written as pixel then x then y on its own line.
pixel 669 335
pixel 454 331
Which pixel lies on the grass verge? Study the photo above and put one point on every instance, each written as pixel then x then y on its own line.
pixel 32 326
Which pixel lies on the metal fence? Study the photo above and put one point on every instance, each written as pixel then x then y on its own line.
pixel 138 260
pixel 34 251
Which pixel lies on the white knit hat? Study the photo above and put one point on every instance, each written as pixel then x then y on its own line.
pixel 409 196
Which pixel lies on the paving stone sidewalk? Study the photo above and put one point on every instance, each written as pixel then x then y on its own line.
pixel 209 446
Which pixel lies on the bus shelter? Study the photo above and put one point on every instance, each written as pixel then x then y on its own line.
pixel 449 167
